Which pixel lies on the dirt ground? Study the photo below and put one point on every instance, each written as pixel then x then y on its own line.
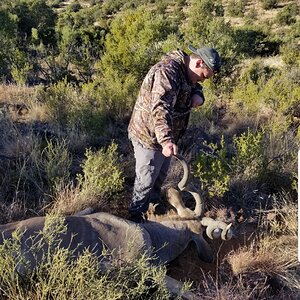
pixel 189 267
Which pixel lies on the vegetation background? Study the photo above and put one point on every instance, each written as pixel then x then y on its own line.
pixel 70 74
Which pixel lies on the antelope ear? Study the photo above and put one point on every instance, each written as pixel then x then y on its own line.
pixel 205 252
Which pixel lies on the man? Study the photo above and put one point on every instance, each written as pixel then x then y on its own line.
pixel 160 117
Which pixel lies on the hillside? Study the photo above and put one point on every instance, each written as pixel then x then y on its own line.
pixel 71 72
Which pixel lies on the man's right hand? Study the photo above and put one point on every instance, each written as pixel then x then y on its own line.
pixel 169 149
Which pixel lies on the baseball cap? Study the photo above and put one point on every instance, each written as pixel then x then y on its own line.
pixel 210 56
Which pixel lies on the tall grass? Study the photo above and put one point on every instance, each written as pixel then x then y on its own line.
pixel 272 257
pixel 101 178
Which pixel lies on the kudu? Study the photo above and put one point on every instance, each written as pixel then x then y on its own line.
pixel 163 240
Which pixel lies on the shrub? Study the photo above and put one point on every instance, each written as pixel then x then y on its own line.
pixel 287 15
pixel 34 14
pixel 56 163
pixel 237 8
pixel 249 161
pixel 73 108
pixel 206 25
pixel 134 43
pixel 264 88
pixel 290 54
pixel 294 31
pixel 246 98
pixel 252 41
pixel 20 67
pixel 80 43
pixel 102 174
pixel 114 94
pixel 217 170
pixel 58 98
pixel 101 178
pixel 268 4
pixel 213 170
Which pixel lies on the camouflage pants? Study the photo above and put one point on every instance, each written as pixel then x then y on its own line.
pixel 151 170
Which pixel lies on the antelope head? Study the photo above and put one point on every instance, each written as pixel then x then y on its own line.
pixel 214 229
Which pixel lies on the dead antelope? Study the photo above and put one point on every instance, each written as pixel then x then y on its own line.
pixel 164 240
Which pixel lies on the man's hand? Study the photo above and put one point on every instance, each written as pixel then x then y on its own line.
pixel 196 100
pixel 169 149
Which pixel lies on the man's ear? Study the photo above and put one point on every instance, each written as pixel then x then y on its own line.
pixel 199 63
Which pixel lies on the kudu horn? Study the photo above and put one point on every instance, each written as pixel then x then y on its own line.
pixel 214 229
pixel 183 186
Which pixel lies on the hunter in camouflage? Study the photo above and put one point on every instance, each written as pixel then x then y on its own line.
pixel 160 117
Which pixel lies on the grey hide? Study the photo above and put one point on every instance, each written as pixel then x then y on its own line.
pixel 163 240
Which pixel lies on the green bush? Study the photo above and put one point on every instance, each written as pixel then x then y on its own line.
pixel 237 8
pixel 290 54
pixel 58 98
pixel 80 42
pixel 268 4
pixel 213 170
pixel 262 87
pixel 56 163
pixel 20 67
pixel 134 43
pixel 8 25
pixel 206 26
pixel 294 31
pixel 34 14
pixel 217 170
pixel 72 107
pixel 253 41
pixel 249 161
pixel 287 15
pixel 102 174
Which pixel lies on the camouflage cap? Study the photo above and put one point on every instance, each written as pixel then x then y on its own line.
pixel 210 56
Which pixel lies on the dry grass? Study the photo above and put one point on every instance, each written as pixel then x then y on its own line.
pixel 264 257
pixel 267 268
pixel 15 144
pixel 10 93
pixel 231 290
pixel 273 255
pixel 21 103
pixel 69 200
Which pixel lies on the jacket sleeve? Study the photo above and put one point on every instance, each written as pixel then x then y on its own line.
pixel 163 98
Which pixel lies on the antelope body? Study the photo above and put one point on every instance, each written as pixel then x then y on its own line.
pixel 163 240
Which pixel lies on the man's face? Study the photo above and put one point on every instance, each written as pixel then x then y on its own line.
pixel 204 72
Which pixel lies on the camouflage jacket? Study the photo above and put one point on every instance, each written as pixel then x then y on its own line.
pixel 163 106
